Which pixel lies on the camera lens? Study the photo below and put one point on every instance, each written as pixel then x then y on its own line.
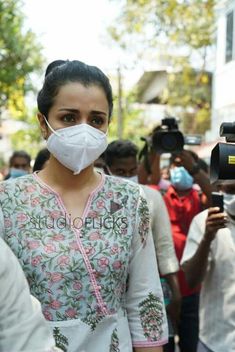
pixel 169 142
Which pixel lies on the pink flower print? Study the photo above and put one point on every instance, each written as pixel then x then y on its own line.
pixel 55 214
pixel 55 304
pixel 50 248
pixel 103 262
pixel 56 277
pixel 71 313
pixel 47 315
pixel 94 236
pixel 115 249
pixel 124 231
pixel 100 204
pixel 33 244
pixel 30 189
pixel 36 260
pixel 58 237
pixel 35 201
pixel 7 222
pixel 92 214
pixel 63 260
pixel 22 217
pixel 44 191
pixel 117 265
pixel 89 250
pixel 109 194
pixel 77 285
pixel 74 245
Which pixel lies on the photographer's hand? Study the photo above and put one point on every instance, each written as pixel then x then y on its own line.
pixel 195 268
pixel 199 175
pixel 215 221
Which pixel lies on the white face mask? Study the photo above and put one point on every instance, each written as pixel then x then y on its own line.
pixel 229 203
pixel 132 178
pixel 76 147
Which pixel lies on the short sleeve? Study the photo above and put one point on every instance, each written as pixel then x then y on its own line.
pixel 195 235
pixel 162 235
pixel 144 297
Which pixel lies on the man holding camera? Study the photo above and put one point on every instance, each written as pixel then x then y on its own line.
pixel 208 258
pixel 184 201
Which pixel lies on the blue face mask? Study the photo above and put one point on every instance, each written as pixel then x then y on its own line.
pixel 14 173
pixel 181 179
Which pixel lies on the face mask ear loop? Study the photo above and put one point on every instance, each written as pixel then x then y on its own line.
pixel 52 130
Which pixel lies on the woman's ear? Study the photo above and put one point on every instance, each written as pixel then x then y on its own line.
pixel 43 125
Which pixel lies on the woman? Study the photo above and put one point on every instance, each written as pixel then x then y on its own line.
pixel 82 237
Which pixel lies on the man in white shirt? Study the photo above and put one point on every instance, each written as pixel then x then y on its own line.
pixel 209 258
pixel 22 325
pixel 121 160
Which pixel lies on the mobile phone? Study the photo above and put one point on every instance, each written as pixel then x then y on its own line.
pixel 218 200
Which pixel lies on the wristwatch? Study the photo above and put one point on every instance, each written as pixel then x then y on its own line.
pixel 195 169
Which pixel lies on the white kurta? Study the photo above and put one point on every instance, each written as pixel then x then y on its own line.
pixel 95 276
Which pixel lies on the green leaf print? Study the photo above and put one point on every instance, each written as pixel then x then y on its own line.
pixel 61 341
pixel 151 317
pixel 114 342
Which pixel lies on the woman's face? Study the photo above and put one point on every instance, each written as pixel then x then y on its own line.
pixel 76 104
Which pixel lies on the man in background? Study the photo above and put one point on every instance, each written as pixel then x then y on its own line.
pixel 121 161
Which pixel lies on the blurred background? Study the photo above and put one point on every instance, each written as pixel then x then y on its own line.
pixel 164 58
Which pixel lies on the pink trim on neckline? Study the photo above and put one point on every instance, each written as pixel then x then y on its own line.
pixel 49 188
pixel 77 234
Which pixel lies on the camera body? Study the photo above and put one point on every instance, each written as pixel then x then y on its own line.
pixel 222 163
pixel 167 138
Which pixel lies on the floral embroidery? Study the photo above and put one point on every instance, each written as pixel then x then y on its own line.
pixel 144 220
pixel 61 341
pixel 151 317
pixel 52 256
pixel 93 319
pixel 76 273
pixel 114 342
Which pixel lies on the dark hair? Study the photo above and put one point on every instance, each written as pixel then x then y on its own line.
pixel 60 72
pixel 20 154
pixel 120 149
pixel 42 156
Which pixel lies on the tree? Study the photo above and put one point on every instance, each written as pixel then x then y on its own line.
pixel 20 56
pixel 182 33
pixel 134 126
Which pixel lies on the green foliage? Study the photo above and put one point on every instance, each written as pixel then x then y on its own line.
pixel 29 138
pixel 178 32
pixel 20 56
pixel 19 53
pixel 134 125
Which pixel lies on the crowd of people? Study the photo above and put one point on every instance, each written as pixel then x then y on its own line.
pixel 111 252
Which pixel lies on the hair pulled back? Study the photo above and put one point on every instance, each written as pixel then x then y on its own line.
pixel 60 72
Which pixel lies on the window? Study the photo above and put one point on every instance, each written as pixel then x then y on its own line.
pixel 229 37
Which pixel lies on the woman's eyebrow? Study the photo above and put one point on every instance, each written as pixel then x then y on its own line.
pixel 77 111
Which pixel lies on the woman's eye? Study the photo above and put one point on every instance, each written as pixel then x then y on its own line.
pixel 68 118
pixel 98 121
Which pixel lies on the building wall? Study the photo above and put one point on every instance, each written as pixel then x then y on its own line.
pixel 223 101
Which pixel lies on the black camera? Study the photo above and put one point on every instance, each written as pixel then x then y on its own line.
pixel 222 163
pixel 167 138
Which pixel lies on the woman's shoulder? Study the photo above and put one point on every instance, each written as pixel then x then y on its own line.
pixel 9 185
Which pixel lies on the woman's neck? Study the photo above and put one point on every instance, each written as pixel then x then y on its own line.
pixel 58 176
